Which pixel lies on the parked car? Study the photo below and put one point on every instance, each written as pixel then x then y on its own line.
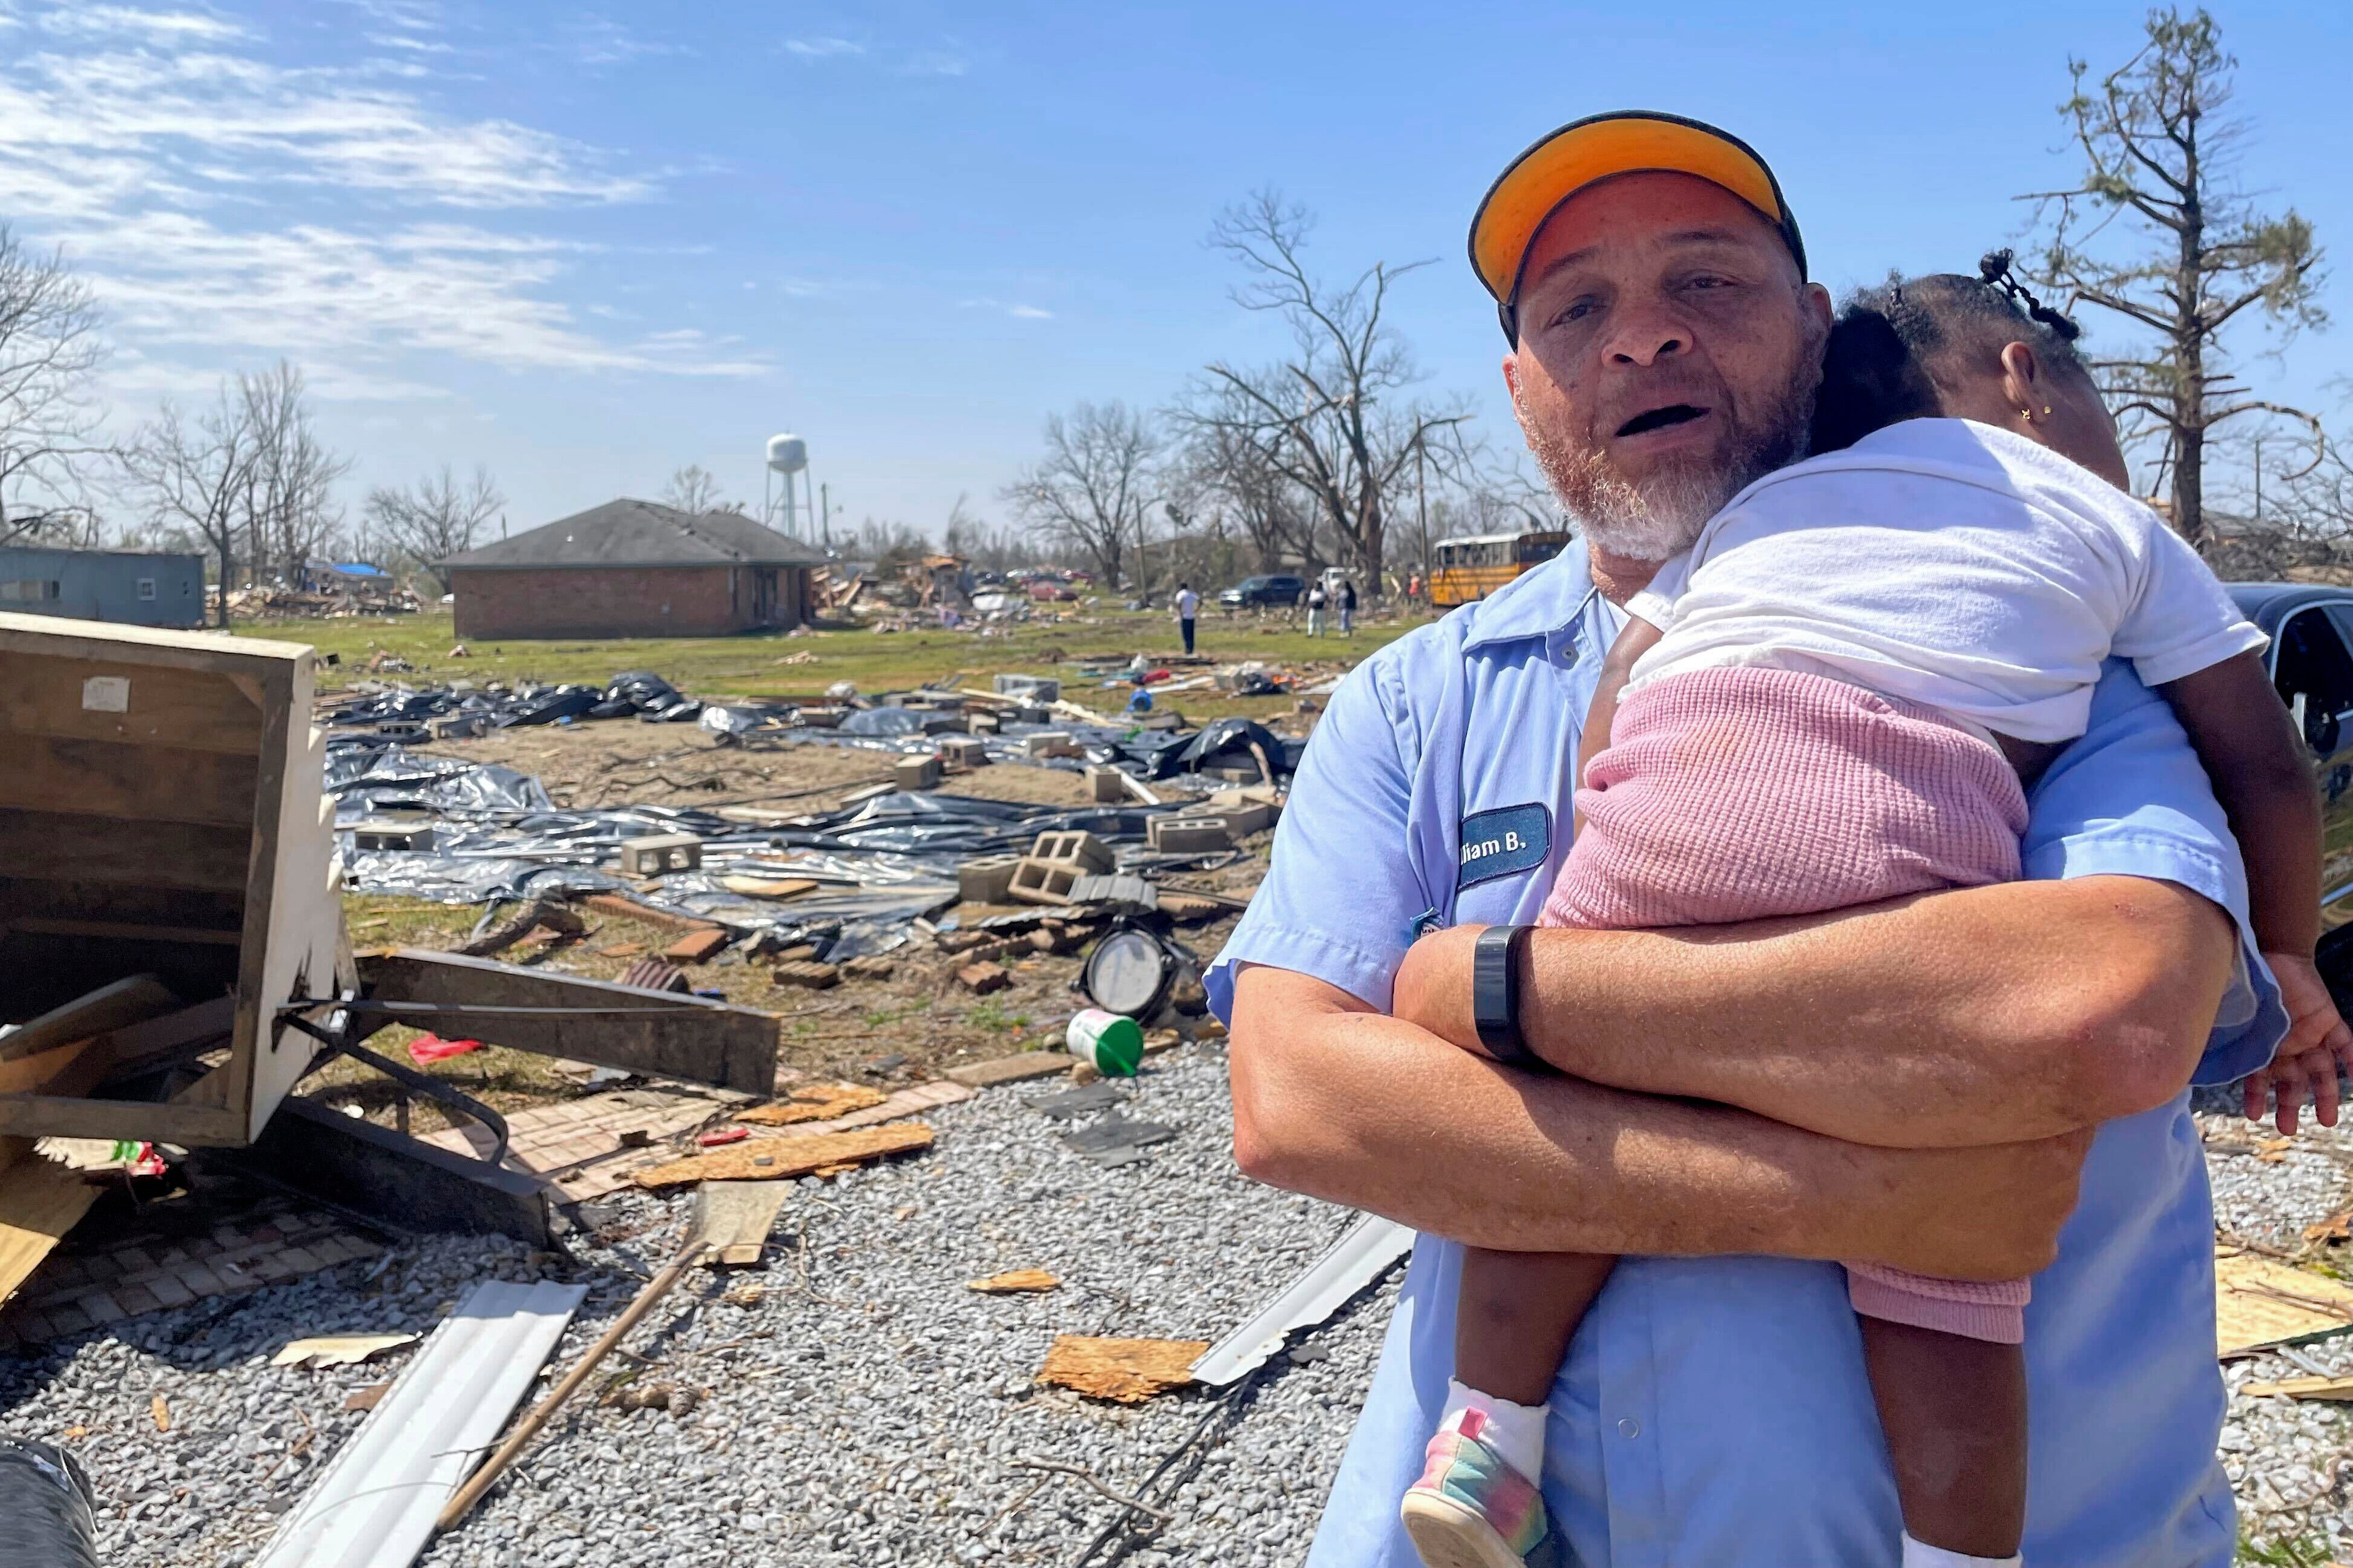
pixel 2311 661
pixel 1251 593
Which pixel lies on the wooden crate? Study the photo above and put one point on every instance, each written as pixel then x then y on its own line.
pixel 162 811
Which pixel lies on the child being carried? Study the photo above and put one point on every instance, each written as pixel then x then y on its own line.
pixel 1839 696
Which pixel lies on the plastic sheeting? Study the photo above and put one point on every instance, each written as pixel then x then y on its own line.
pixel 880 864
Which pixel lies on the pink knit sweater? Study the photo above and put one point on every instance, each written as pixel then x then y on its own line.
pixel 1740 794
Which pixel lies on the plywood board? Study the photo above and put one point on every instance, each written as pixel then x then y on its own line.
pixel 1127 1370
pixel 39 1202
pixel 777 1158
pixel 737 1216
pixel 201 710
pixel 108 778
pixel 2260 1303
pixel 818 1102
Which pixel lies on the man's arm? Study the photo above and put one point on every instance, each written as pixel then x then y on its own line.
pixel 1337 1100
pixel 1980 1015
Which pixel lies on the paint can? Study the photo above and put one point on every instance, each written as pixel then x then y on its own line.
pixel 1111 1044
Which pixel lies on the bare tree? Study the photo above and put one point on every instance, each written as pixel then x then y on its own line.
pixel 193 473
pixel 694 490
pixel 1230 473
pixel 1333 415
pixel 2160 234
pixel 49 410
pixel 1096 486
pixel 290 507
pixel 435 518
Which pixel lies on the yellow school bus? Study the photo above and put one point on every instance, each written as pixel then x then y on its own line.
pixel 1468 569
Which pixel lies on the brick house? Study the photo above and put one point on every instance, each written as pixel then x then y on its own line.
pixel 633 569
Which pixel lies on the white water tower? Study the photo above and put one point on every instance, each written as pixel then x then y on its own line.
pixel 788 461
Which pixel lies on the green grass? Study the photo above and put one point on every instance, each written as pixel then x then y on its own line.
pixel 749 666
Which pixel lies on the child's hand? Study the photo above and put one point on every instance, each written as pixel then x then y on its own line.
pixel 2317 1042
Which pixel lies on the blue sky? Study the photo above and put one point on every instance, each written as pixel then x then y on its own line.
pixel 584 248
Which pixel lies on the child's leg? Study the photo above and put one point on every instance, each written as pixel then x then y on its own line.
pixel 1513 1314
pixel 1954 1414
pixel 1477 1504
pixel 1949 1380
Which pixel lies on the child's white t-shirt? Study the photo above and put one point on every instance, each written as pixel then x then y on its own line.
pixel 1946 564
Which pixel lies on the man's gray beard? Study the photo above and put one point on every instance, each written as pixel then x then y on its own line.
pixel 1661 517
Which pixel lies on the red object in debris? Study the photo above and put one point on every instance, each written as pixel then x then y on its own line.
pixel 433 1048
pixel 148 1163
pixel 718 1135
pixel 1152 677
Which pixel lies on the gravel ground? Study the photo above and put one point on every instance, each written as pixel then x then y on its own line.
pixel 2287 1458
pixel 858 1405
pixel 865 1408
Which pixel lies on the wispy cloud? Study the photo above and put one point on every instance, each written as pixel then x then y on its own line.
pixel 158 26
pixel 222 203
pixel 1012 307
pixel 936 62
pixel 822 48
pixel 599 41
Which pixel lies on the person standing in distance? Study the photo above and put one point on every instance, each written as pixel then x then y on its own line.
pixel 1347 608
pixel 1189 604
pixel 1315 610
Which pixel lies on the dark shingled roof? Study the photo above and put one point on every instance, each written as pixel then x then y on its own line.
pixel 640 533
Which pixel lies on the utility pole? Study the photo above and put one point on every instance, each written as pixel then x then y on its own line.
pixel 2259 478
pixel 1421 498
pixel 825 517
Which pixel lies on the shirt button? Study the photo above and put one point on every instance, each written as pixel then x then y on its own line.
pixel 1629 1427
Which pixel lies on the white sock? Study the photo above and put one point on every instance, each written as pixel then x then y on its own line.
pixel 1916 1556
pixel 1514 1431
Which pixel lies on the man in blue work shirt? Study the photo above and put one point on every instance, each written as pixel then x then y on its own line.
pixel 1980 1084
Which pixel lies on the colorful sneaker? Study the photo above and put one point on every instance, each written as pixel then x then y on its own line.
pixel 1471 1510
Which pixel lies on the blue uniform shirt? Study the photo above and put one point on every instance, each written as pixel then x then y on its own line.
pixel 1715 1410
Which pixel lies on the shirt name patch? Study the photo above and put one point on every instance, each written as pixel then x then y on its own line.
pixel 1504 842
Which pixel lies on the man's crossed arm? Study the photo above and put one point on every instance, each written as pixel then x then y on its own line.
pixel 1911 1084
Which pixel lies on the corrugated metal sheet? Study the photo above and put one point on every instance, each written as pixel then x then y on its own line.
pixel 374 1505
pixel 1363 1252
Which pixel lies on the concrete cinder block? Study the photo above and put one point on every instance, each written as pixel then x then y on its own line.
pixel 1032 688
pixel 1106 786
pixel 389 835
pixel 985 880
pixel 1051 743
pixel 1037 881
pixel 915 773
pixel 1185 833
pixel 658 852
pixel 962 751
pixel 1083 850
pixel 1243 815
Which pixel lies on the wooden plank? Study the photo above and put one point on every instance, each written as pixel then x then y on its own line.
pixel 130 1000
pixel 660 1033
pixel 62 1116
pixel 45 694
pixel 68 1069
pixel 182 909
pixel 777 1159
pixel 40 1201
pixel 61 846
pixel 146 782
pixel 125 930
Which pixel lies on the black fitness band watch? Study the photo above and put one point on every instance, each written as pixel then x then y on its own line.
pixel 1495 995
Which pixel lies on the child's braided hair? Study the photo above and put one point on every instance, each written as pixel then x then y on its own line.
pixel 1877 368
